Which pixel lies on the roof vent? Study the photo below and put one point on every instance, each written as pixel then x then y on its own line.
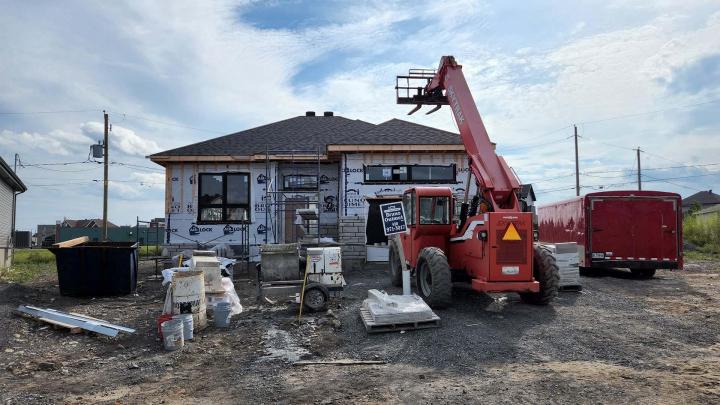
pixel 328 113
pixel 309 113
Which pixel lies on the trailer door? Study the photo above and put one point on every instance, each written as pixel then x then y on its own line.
pixel 656 224
pixel 611 228
pixel 633 228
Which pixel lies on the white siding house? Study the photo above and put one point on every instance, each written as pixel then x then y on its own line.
pixel 10 185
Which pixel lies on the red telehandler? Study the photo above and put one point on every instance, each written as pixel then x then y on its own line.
pixel 491 246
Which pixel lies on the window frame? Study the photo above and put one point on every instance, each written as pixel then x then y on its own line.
pixel 448 214
pixel 410 180
pixel 224 206
pixel 314 188
pixel 410 217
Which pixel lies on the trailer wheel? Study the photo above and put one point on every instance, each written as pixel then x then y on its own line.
pixel 547 274
pixel 316 297
pixel 434 280
pixel 395 267
pixel 643 273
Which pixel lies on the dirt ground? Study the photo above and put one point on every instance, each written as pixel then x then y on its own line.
pixel 619 340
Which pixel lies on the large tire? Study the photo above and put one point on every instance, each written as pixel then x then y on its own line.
pixel 643 273
pixel 546 272
pixel 395 267
pixel 434 280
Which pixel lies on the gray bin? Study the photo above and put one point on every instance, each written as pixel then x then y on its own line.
pixel 280 262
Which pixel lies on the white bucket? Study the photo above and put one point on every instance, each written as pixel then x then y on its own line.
pixel 187 320
pixel 189 297
pixel 172 332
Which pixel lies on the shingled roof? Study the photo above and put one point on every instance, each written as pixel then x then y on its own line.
pixel 311 132
pixel 704 198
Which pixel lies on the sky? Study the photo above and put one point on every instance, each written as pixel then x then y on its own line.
pixel 628 74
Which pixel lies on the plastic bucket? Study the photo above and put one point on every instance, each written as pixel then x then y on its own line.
pixel 189 296
pixel 222 314
pixel 187 320
pixel 172 332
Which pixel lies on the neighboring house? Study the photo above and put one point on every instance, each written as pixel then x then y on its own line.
pixel 85 223
pixel 702 200
pixel 244 188
pixel 10 186
pixel 709 212
pixel 45 235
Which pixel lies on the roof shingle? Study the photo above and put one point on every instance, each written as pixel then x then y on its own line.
pixel 309 133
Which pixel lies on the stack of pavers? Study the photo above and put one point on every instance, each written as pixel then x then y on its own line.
pixel 566 257
pixel 381 312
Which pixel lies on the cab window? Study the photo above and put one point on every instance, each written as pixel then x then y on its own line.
pixel 434 210
pixel 409 205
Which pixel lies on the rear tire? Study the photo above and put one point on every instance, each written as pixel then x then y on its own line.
pixel 434 280
pixel 395 267
pixel 546 272
pixel 643 273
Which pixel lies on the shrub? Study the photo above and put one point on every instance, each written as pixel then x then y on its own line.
pixel 703 231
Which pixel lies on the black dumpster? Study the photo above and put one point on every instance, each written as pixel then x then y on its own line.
pixel 97 268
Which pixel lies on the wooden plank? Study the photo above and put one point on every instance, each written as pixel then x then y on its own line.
pixel 71 242
pixel 56 324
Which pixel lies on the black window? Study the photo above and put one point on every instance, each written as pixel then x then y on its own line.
pixel 410 174
pixel 224 197
pixel 300 182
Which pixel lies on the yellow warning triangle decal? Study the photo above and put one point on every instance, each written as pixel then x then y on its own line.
pixel 511 233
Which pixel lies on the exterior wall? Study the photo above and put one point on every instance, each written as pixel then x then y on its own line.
pixel 355 192
pixel 343 199
pixel 6 202
pixel 181 204
pixel 352 235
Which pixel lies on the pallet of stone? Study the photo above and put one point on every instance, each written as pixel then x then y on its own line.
pixel 373 327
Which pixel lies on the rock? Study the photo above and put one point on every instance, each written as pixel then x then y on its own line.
pixel 47 366
pixel 336 324
pixel 133 366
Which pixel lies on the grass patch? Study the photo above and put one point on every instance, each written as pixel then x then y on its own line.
pixel 703 231
pixel 150 250
pixel 29 265
pixel 701 256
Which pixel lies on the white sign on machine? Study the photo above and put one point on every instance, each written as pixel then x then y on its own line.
pixel 394 223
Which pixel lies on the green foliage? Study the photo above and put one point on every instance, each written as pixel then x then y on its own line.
pixel 28 265
pixel 703 231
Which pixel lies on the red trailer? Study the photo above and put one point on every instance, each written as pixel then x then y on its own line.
pixel 638 230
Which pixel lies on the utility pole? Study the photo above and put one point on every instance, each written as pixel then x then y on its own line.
pixel 577 165
pixel 105 180
pixel 638 170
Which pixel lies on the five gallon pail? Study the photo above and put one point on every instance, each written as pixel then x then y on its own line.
pixel 189 296
pixel 172 332
pixel 222 314
pixel 187 320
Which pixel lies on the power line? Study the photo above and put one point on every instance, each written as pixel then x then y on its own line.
pixel 617 117
pixel 167 123
pixel 45 112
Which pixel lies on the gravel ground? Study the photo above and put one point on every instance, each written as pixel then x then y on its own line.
pixel 619 340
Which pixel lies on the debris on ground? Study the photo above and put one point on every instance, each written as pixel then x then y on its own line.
pixel 72 321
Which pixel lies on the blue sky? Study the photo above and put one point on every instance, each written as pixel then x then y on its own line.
pixel 628 73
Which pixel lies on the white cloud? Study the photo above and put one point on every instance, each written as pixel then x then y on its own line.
pixel 124 139
pixel 57 142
